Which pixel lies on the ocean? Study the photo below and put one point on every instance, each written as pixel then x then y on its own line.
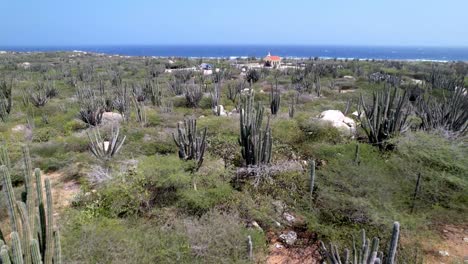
pixel 292 51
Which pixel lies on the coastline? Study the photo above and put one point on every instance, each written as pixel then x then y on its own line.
pixel 10 52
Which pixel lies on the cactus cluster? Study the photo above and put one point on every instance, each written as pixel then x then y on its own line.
pixel 91 106
pixel 255 142
pixel 33 238
pixel 193 95
pixel 387 115
pixel 41 93
pixel 191 144
pixel 450 113
pixel 368 253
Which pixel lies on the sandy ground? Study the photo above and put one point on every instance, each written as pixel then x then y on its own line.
pixel 304 251
pixel 62 192
pixel 452 241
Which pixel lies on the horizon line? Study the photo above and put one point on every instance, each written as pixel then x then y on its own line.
pixel 236 44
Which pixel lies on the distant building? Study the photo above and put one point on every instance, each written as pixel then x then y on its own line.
pixel 206 66
pixel 272 61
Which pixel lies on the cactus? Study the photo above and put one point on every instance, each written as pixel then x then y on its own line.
pixel 10 197
pixel 91 106
pixel 36 254
pixel 368 253
pixel 275 99
pixel 193 95
pixel 41 217
pixel 49 240
pixel 318 87
pixel 36 237
pixel 386 117
pixel 450 113
pixel 416 191
pixel 140 110
pixel 393 243
pixel 4 256
pixel 57 248
pixel 357 157
pixel 5 99
pixel 292 105
pixel 312 178
pixel 4 158
pixel 215 96
pixel 255 143
pixel 42 92
pixel 154 91
pixel 250 247
pixel 121 102
pixel 17 252
pixel 191 144
pixel 102 149
pixel 26 235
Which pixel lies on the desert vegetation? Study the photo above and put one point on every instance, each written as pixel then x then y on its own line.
pixel 113 159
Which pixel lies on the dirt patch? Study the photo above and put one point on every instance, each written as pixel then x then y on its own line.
pixel 304 251
pixel 62 192
pixel 453 241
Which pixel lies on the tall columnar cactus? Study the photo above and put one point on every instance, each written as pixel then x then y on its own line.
pixel 386 117
pixel 292 105
pixel 49 240
pixel 357 156
pixel 368 253
pixel 255 142
pixel 191 144
pixel 215 97
pixel 275 99
pixel 33 239
pixel 5 99
pixel 417 188
pixel 4 255
pixel 36 254
pixel 312 178
pixel 17 252
pixel 10 197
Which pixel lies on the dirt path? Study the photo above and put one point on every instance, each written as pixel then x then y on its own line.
pixel 304 251
pixel 62 192
pixel 454 242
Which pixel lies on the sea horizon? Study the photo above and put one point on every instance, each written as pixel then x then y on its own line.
pixel 378 52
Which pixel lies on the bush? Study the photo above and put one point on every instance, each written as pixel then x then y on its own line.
pixel 155 182
pixel 73 126
pixel 218 237
pixel 318 131
pixel 104 240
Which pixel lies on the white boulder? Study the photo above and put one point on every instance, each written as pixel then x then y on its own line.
pixel 339 120
pixel 111 118
pixel 220 109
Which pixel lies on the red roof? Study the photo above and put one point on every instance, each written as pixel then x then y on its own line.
pixel 272 58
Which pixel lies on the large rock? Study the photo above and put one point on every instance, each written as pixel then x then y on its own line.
pixel 111 118
pixel 289 238
pixel 221 110
pixel 339 120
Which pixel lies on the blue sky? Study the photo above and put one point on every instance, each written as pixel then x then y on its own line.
pixel 305 22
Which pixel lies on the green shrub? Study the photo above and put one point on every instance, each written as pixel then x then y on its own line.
pixel 118 241
pixel 73 126
pixel 44 134
pixel 318 131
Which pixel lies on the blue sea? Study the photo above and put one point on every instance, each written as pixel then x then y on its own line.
pixel 293 51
